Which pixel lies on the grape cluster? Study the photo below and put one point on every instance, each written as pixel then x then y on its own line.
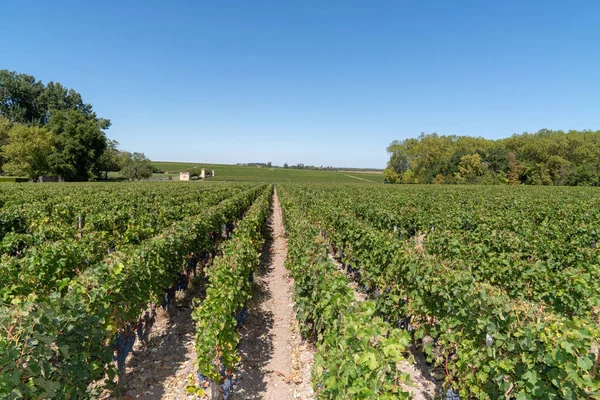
pixel 228 381
pixel 140 330
pixel 404 323
pixel 241 317
pixel 192 262
pixel 182 282
pixel 376 294
pixel 169 294
pixel 227 387
pixel 353 273
pixel 452 395
pixel 124 345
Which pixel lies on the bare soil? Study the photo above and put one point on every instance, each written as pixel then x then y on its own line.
pixel 162 368
pixel 276 362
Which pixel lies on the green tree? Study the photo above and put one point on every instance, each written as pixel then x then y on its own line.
pixel 439 179
pixel 80 140
pixel 459 179
pixel 19 94
pixel 408 177
pixel 123 157
pixel 471 165
pixel 398 159
pixel 497 158
pixel 5 126
pixel 56 97
pixel 493 178
pixel 470 169
pixel 391 176
pixel 28 151
pixel 567 157
pixel 584 175
pixel 110 161
pixel 559 169
pixel 514 169
pixel 138 167
pixel 25 100
pixel 196 172
pixel 538 174
pixel 80 143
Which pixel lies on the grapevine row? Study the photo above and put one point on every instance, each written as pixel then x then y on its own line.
pixel 57 347
pixel 545 262
pixel 122 215
pixel 223 309
pixel 358 354
pixel 489 344
pixel 49 266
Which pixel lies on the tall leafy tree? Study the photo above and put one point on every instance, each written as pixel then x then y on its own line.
pixel 56 97
pixel 28 150
pixel 391 176
pixel 80 149
pixel 559 169
pixel 25 100
pixel 80 143
pixel 110 160
pixel 497 158
pixel 5 126
pixel 138 167
pixel 514 170
pixel 19 97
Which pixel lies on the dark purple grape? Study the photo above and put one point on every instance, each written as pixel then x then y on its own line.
pixel 227 387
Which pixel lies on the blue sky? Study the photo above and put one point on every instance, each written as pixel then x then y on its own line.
pixel 317 82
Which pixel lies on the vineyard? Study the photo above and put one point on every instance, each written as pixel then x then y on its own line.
pixel 81 263
pixel 496 288
pixel 499 287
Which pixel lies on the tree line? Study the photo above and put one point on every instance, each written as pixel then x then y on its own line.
pixel 547 157
pixel 48 130
pixel 310 167
pixel 295 166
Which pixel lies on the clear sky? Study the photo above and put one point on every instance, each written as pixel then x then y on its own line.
pixel 317 82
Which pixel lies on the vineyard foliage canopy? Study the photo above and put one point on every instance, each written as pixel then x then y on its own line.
pixel 498 286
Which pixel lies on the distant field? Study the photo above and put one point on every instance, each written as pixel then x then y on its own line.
pixel 176 167
pixel 225 172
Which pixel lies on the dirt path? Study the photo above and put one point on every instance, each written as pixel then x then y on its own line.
pixel 159 370
pixel 275 362
pixel 361 179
